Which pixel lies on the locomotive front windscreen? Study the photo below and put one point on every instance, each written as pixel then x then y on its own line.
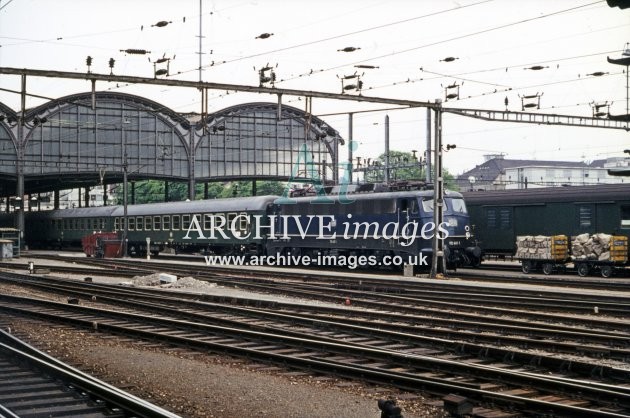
pixel 451 205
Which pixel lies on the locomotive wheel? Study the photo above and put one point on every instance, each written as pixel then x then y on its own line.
pixel 606 271
pixel 526 266
pixel 582 269
pixel 547 268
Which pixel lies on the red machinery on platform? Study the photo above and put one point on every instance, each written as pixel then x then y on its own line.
pixel 102 245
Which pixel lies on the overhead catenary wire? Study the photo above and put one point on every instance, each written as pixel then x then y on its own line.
pixel 341 35
pixel 459 37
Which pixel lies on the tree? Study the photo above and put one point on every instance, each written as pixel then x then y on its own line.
pixel 403 166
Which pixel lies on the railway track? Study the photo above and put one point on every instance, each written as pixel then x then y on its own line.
pixel 489 272
pixel 609 335
pixel 33 384
pixel 436 293
pixel 312 339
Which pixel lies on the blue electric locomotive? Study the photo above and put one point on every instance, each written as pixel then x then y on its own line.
pixel 381 227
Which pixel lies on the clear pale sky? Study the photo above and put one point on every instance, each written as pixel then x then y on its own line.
pixel 496 42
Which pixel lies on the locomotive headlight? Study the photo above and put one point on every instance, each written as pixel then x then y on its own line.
pixel 452 222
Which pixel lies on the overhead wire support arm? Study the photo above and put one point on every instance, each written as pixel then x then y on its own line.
pixel 210 86
pixel 538 118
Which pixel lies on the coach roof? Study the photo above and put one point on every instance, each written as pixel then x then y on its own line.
pixel 598 193
pixel 236 204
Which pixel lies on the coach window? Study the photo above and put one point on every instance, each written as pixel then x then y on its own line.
pixel 243 222
pixel 491 218
pixel 166 222
pixel 585 215
pixel 157 223
pixel 116 224
pixel 506 218
pixel 186 222
pixel 147 223
pixel 625 216
pixel 230 218
pixel 132 223
pixel 139 223
pixel 176 225
pixel 207 221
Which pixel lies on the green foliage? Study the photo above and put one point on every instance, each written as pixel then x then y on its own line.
pixel 405 167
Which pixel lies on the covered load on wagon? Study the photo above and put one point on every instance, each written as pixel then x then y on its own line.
pixel 540 251
pixel 541 247
pixel 600 247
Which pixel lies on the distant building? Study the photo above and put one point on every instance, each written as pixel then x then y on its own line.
pixel 499 173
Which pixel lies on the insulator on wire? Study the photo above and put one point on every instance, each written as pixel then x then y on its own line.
pixel 161 23
pixel 349 49
pixel 134 51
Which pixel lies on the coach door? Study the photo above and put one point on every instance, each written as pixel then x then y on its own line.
pixel 499 228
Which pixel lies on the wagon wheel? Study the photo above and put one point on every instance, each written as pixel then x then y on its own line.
pixel 606 271
pixel 526 266
pixel 582 269
pixel 547 268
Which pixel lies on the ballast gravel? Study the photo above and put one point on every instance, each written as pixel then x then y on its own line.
pixel 196 385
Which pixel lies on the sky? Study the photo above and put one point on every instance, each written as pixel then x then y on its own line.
pixel 501 49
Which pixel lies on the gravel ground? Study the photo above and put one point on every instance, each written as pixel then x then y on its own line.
pixel 195 384
pixel 203 385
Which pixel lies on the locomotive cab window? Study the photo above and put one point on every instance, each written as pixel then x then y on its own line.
pixel 625 216
pixel 427 205
pixel 458 205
